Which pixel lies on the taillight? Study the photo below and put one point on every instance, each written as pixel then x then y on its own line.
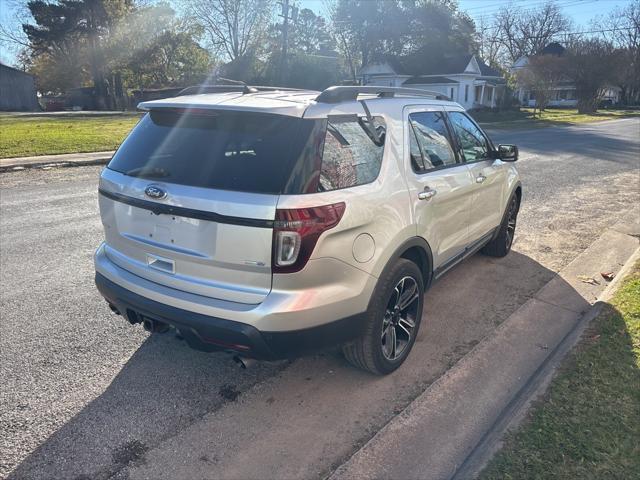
pixel 296 232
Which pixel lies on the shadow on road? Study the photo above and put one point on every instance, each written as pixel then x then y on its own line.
pixel 166 387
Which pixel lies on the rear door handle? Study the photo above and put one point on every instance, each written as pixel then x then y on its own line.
pixel 427 194
pixel 480 178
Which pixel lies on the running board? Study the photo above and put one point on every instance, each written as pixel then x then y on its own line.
pixel 467 252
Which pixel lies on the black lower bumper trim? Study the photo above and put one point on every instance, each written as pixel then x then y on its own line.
pixel 207 333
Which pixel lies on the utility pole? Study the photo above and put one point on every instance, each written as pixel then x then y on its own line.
pixel 285 34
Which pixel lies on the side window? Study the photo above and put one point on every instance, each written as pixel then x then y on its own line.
pixel 470 138
pixel 351 156
pixel 429 142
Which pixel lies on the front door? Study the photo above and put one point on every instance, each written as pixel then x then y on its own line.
pixel 440 185
pixel 487 173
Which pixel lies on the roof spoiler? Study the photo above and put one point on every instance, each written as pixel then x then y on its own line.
pixel 350 93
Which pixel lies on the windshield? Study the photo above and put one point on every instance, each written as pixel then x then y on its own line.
pixel 247 152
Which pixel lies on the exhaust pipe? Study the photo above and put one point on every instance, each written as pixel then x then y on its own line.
pixel 153 326
pixel 243 362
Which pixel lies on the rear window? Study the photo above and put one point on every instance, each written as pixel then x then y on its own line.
pixel 249 152
pixel 222 150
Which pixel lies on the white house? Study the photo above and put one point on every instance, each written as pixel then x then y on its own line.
pixel 465 79
pixel 564 94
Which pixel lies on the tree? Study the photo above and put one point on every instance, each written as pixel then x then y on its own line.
pixel 525 32
pixel 312 60
pixel 68 30
pixel 310 34
pixel 589 64
pixel 438 25
pixel 152 49
pixel 622 29
pixel 542 74
pixel 366 30
pixel 111 45
pixel 488 43
pixel 234 28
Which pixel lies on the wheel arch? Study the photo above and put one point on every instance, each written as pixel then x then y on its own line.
pixel 517 191
pixel 417 250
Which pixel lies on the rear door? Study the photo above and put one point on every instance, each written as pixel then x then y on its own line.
pixel 488 174
pixel 440 186
pixel 189 199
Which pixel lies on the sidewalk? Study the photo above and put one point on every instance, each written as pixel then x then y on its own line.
pixel 69 159
pixel 455 426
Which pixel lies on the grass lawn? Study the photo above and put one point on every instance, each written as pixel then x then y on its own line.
pixel 24 136
pixel 523 118
pixel 588 425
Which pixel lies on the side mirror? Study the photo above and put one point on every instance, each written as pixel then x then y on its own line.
pixel 507 153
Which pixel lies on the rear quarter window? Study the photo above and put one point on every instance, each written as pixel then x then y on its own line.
pixel 352 155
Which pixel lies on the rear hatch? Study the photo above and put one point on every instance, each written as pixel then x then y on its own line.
pixel 189 199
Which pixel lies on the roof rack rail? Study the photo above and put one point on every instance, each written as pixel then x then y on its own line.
pixel 348 93
pixel 241 88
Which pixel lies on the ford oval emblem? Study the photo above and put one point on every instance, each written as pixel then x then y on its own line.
pixel 155 191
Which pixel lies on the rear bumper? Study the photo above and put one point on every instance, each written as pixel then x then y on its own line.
pixel 208 333
pixel 325 291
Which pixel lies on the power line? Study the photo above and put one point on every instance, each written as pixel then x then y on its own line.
pixel 529 6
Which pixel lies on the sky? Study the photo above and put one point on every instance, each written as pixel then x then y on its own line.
pixel 580 11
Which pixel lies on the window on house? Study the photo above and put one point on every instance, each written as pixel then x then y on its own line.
pixel 490 94
pixel 451 96
pixel 466 93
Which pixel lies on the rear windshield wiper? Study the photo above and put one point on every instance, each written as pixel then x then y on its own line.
pixel 148 172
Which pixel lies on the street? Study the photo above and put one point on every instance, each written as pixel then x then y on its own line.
pixel 86 395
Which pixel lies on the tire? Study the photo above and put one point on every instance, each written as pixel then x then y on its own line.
pixel 378 351
pixel 500 246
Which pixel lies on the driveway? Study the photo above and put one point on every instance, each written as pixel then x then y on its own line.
pixel 85 395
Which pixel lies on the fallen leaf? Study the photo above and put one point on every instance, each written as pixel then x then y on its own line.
pixel 589 280
pixel 608 276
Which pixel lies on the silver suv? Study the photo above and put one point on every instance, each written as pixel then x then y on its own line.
pixel 271 222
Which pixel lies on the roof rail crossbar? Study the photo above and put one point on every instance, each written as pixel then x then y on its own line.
pixel 244 89
pixel 350 93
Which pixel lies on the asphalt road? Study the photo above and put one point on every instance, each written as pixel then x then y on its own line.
pixel 85 395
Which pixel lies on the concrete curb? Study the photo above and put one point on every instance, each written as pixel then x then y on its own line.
pixel 453 428
pixel 516 411
pixel 57 161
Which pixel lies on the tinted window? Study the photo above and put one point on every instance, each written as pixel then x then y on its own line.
pixel 430 145
pixel 472 142
pixel 246 152
pixel 351 156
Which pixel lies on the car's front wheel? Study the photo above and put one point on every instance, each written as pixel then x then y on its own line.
pixel 501 244
pixel 393 320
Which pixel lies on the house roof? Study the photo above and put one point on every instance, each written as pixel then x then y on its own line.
pixel 425 63
pixel 2 65
pixel 419 80
pixel 447 65
pixel 486 70
pixel 554 48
